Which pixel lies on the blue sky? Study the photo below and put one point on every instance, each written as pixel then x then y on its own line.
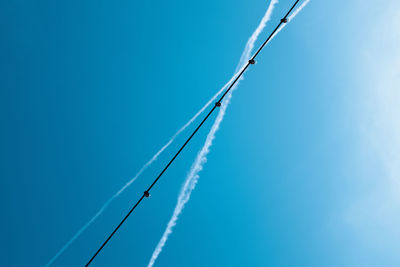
pixel 303 172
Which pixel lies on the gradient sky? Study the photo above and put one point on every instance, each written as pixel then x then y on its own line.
pixel 305 170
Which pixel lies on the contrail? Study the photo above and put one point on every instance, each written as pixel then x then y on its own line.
pixel 190 182
pixel 250 43
pixel 291 17
pixel 193 176
pixel 145 166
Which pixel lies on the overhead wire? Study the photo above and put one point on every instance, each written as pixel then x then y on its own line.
pixel 217 104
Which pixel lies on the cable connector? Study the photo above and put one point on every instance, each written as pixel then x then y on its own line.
pixel 146 193
pixel 284 20
pixel 217 104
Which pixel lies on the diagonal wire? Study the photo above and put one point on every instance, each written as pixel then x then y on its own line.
pixel 217 104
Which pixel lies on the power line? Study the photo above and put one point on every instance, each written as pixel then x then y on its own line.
pixel 217 104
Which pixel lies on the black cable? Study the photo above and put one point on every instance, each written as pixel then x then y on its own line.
pixel 217 104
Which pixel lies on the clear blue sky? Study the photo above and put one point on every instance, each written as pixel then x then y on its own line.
pixel 305 170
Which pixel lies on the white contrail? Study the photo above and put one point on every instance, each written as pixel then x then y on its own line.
pixel 291 16
pixel 190 181
pixel 145 166
pixel 193 175
pixel 250 43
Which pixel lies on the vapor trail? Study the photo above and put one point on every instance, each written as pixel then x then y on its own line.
pixel 253 38
pixel 145 166
pixel 197 166
pixel 291 17
pixel 193 176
